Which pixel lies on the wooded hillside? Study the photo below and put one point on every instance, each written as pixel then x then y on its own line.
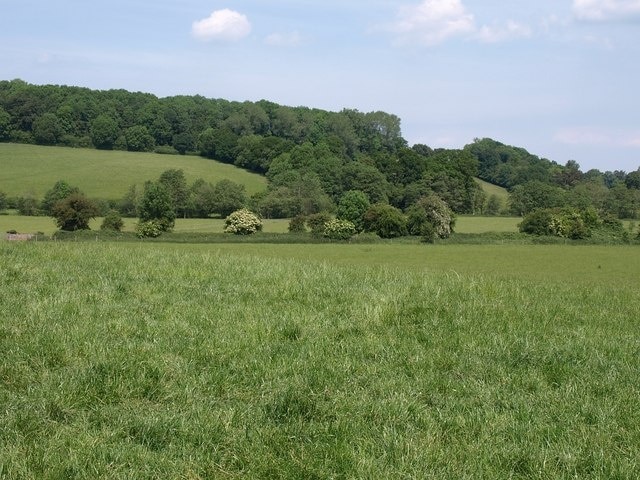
pixel 311 157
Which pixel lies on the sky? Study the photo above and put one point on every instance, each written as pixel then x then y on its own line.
pixel 559 78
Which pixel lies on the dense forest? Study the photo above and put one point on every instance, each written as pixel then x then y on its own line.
pixel 311 157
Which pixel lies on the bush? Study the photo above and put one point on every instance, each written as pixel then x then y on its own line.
pixel 297 224
pixel 433 211
pixel 339 229
pixel 242 222
pixel 157 206
pixel 317 221
pixel 112 221
pixel 537 222
pixel 385 220
pixel 149 229
pixel 352 207
pixel 428 233
pixel 74 212
pixel 569 223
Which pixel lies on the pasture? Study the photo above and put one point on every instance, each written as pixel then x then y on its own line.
pixel 32 170
pixel 318 361
pixel 46 225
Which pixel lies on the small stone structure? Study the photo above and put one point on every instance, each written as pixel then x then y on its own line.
pixel 19 236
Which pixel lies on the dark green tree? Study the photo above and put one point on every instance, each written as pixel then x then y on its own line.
pixel 353 205
pixel 184 142
pixel 74 212
pixel 129 203
pixel 633 180
pixel 533 195
pixel 201 199
pixel 5 124
pixel 227 197
pixel 219 144
pixel 60 190
pixel 175 182
pixel 112 221
pixel 28 205
pixel 494 205
pixel 156 206
pixel 104 132
pixel 47 129
pixel 385 220
pixel 139 139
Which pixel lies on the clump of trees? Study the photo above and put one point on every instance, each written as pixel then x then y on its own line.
pixel 311 157
pixel 74 212
pixel 570 223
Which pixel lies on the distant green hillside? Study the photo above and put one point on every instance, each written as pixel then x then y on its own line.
pixel 491 189
pixel 30 169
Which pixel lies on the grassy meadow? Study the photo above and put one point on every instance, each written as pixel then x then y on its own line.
pixel 31 169
pixel 206 361
pixel 46 225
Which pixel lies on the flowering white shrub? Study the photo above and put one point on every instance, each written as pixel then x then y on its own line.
pixel 150 228
pixel 242 222
pixel 339 229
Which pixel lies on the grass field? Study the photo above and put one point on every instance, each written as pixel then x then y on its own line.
pixel 30 169
pixel 491 189
pixel 47 226
pixel 162 361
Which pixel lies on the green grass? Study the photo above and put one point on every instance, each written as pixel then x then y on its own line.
pixel 475 224
pixel 158 361
pixel 30 169
pixel 491 189
pixel 466 224
pixel 47 225
pixel 580 265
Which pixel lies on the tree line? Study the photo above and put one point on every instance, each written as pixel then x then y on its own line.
pixel 311 157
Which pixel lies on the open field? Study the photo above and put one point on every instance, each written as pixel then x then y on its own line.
pixel 30 169
pixel 47 226
pixel 162 361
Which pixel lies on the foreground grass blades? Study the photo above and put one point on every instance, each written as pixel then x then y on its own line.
pixel 135 361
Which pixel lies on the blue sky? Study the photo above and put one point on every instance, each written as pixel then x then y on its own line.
pixel 557 77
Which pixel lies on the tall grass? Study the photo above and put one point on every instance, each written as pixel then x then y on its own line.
pixel 146 361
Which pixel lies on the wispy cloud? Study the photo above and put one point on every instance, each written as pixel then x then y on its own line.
pixel 606 10
pixel 598 136
pixel 499 33
pixel 292 39
pixel 433 22
pixel 225 25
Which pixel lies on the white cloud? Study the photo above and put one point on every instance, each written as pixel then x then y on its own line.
pixel 499 33
pixel 226 25
pixel 606 10
pixel 597 137
pixel 433 21
pixel 292 39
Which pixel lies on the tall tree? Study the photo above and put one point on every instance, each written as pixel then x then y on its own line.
pixel 74 212
pixel 175 182
pixel 157 205
pixel 104 132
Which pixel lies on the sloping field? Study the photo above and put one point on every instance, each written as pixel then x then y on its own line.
pixel 491 189
pixel 30 169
